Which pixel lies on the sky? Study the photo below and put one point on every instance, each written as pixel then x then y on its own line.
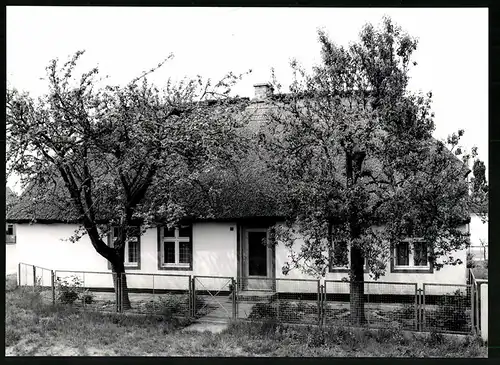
pixel 452 53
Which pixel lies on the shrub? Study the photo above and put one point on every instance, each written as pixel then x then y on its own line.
pixel 168 305
pixel 263 310
pixel 284 310
pixel 88 297
pixel 407 311
pixel 69 289
pixel 288 312
pixel 451 313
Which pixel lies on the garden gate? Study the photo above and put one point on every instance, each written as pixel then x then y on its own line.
pixel 214 298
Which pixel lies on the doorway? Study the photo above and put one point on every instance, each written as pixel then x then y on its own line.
pixel 257 260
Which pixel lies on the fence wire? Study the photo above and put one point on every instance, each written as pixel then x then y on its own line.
pixel 89 290
pixel 156 294
pixel 436 307
pixel 282 300
pixel 447 308
pixel 38 279
pixel 378 304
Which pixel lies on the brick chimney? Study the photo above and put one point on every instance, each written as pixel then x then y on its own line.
pixel 263 90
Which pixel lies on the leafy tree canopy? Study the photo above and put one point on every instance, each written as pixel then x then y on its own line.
pixel 354 151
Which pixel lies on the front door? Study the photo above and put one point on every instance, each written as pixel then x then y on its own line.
pixel 258 260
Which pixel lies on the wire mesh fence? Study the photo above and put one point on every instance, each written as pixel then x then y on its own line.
pixel 436 307
pixel 89 290
pixel 373 304
pixel 447 308
pixel 158 294
pixel 38 279
pixel 289 301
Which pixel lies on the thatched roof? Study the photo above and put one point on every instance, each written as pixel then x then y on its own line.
pixel 252 195
pixel 249 195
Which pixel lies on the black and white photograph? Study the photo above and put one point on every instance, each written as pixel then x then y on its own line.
pixel 246 182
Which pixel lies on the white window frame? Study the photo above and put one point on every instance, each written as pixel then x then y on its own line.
pixel 126 261
pixel 10 239
pixel 411 256
pixel 127 249
pixel 177 240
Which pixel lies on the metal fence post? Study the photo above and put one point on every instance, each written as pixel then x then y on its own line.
pixel 423 307
pixel 472 304
pixel 121 292
pixel 419 310
pixel 323 305
pixel 319 303
pixel 34 277
pixel 118 290
pixel 478 308
pixel 84 299
pixel 190 297
pixel 53 285
pixel 233 294
pixel 278 307
pixel 193 287
pixel 416 307
pixel 154 298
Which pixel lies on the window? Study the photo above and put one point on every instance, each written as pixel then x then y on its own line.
pixel 411 255
pixel 420 254
pixel 340 258
pixel 10 233
pixel 403 254
pixel 175 248
pixel 132 253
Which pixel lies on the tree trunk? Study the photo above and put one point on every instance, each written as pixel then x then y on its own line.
pixel 357 288
pixel 118 270
pixel 354 162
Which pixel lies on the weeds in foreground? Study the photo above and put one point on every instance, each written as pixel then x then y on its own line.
pixel 168 305
pixel 355 341
pixel 10 282
pixel 35 328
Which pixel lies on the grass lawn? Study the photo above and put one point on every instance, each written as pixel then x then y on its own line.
pixel 36 328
